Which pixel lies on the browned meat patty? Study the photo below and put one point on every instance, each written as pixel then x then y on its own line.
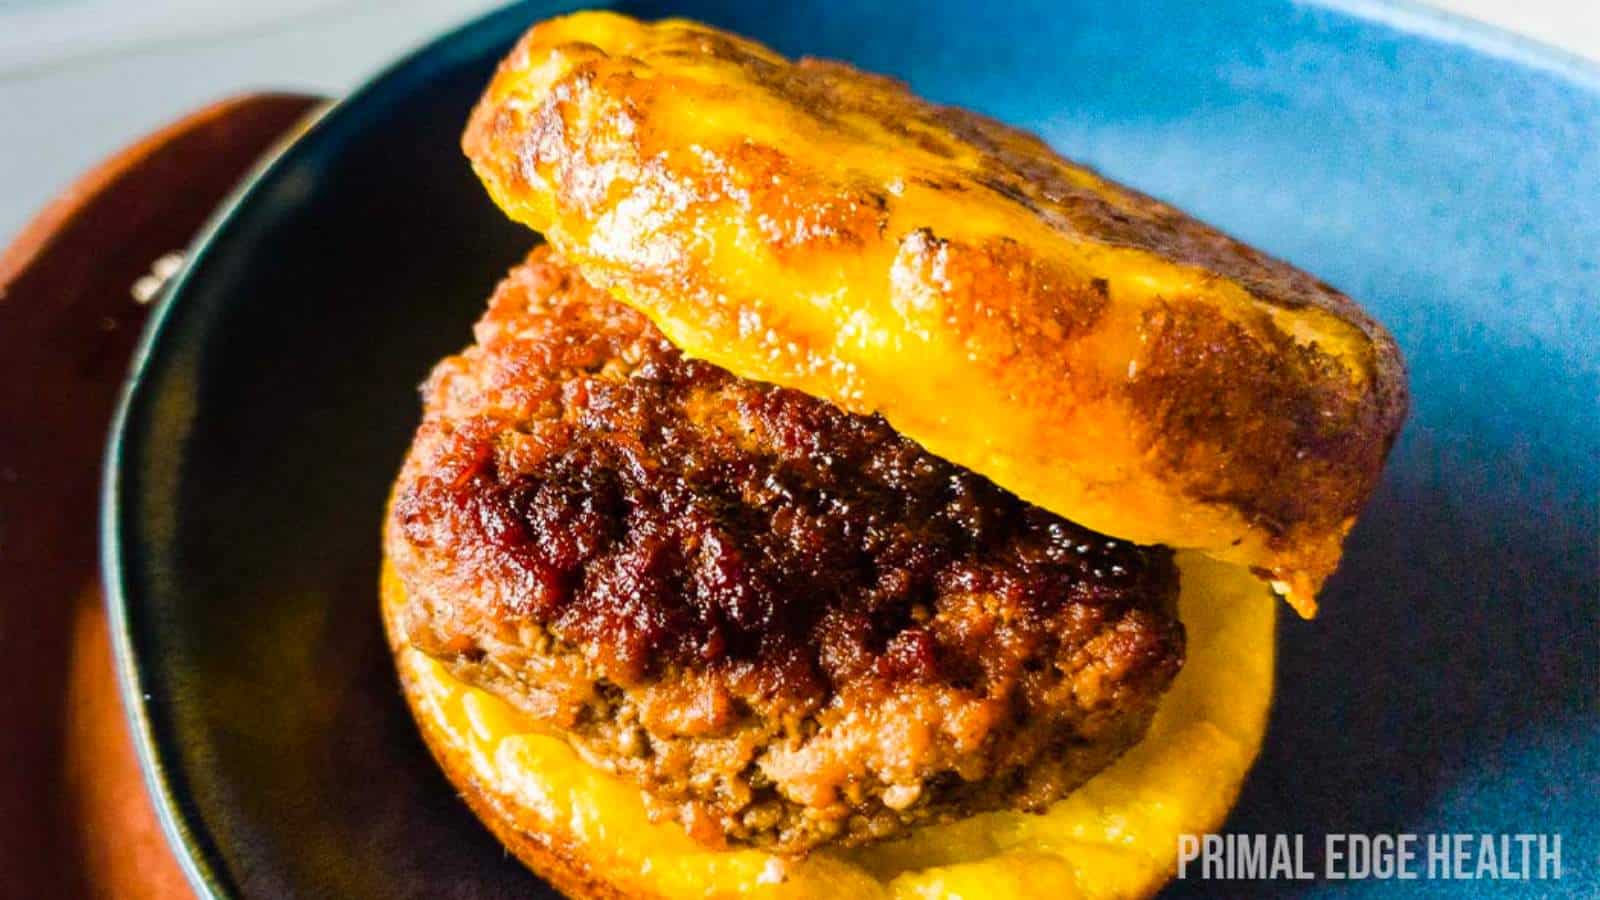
pixel 789 624
pixel 809 224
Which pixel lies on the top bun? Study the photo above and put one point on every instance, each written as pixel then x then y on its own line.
pixel 1092 349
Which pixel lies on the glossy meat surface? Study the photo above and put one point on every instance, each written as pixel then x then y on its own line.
pixel 1093 350
pixel 789 624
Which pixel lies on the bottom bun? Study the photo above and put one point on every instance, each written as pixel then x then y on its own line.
pixel 587 832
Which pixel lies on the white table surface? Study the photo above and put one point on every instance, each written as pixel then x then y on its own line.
pixel 80 78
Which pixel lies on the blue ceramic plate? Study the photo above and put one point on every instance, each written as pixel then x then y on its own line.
pixel 1446 176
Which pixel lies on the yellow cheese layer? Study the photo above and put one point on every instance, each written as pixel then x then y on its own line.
pixel 1116 837
pixel 1090 349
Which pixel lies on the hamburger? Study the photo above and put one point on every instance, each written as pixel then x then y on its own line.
pixel 852 497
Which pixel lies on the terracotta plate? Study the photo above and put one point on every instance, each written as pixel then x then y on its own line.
pixel 1451 182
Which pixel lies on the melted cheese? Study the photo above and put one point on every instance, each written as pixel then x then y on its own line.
pixel 1092 350
pixel 1115 837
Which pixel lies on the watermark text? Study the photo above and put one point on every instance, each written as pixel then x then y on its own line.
pixel 1360 857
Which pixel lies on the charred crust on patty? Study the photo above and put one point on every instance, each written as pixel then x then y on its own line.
pixel 804 223
pixel 787 623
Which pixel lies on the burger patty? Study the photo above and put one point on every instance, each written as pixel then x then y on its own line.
pixel 789 624
pixel 908 255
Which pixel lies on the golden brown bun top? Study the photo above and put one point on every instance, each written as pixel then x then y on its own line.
pixel 1094 350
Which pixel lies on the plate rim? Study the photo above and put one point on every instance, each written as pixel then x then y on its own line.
pixel 186 833
pixel 1420 21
